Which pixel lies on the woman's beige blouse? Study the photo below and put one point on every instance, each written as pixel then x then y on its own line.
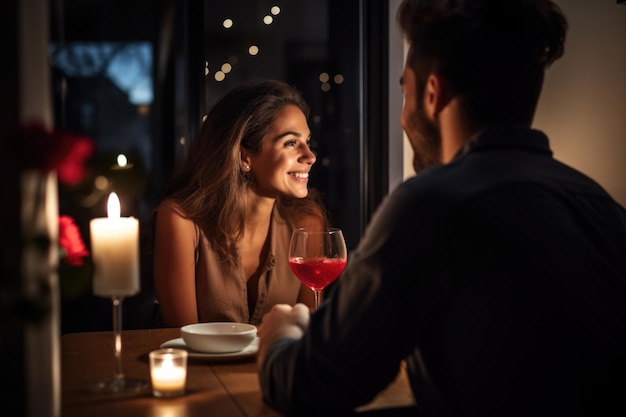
pixel 221 290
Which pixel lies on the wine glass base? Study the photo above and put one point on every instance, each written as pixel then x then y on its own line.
pixel 120 386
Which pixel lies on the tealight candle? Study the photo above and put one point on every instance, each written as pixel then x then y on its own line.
pixel 168 372
pixel 115 251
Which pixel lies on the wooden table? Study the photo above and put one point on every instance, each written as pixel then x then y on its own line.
pixel 229 389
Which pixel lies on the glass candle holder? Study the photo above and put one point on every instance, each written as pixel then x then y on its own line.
pixel 168 372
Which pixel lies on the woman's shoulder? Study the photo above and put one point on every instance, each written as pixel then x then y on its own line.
pixel 170 212
pixel 171 220
pixel 170 206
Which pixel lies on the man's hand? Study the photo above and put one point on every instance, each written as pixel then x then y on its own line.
pixel 281 321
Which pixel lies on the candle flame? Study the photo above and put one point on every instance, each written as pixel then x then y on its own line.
pixel 122 161
pixel 168 362
pixel 113 206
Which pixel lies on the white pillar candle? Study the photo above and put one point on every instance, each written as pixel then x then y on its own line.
pixel 115 252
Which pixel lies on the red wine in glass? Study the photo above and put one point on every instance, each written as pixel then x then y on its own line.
pixel 317 257
pixel 317 274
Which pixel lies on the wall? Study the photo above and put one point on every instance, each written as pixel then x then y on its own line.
pixel 583 104
pixel 400 153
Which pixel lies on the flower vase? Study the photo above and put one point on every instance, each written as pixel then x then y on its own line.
pixel 40 284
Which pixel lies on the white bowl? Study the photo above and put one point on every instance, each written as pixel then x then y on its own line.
pixel 218 337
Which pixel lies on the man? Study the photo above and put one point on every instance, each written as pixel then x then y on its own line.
pixel 497 273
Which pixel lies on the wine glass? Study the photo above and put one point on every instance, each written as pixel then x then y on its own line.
pixel 115 252
pixel 317 257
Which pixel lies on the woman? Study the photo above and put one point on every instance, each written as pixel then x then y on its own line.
pixel 222 231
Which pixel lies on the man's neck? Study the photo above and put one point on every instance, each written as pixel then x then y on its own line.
pixel 455 130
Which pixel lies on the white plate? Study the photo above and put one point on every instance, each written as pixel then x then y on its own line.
pixel 248 352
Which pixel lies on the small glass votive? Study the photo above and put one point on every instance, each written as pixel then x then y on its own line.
pixel 168 372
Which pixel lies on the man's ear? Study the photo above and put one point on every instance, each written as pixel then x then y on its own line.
pixel 437 95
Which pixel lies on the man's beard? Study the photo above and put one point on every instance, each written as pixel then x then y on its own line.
pixel 426 139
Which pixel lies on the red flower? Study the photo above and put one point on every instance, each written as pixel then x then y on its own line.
pixel 38 148
pixel 71 242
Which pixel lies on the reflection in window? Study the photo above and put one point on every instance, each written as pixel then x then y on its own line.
pixel 127 65
pixel 107 91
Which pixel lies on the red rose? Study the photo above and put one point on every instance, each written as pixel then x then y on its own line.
pixel 37 148
pixel 71 169
pixel 71 242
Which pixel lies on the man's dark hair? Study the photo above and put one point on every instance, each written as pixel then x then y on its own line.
pixel 492 52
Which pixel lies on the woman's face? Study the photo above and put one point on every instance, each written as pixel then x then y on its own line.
pixel 283 164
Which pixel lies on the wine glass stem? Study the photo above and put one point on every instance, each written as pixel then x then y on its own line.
pixel 317 298
pixel 117 330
